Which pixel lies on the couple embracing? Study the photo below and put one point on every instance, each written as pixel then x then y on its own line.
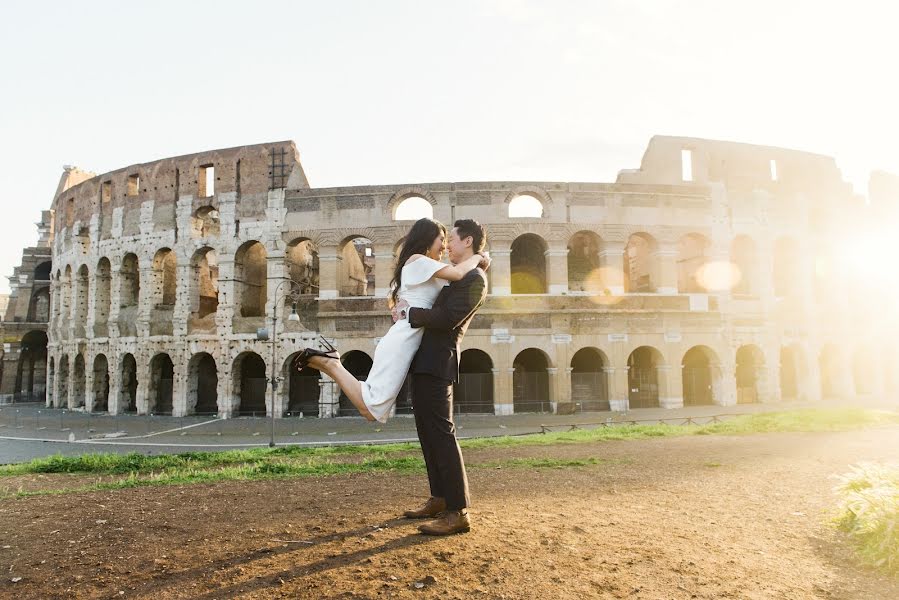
pixel 432 304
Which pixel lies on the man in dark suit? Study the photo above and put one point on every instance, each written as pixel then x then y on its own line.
pixel 434 370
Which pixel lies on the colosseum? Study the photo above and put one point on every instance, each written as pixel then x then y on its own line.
pixel 710 275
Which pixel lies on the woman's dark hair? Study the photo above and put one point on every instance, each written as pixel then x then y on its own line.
pixel 417 241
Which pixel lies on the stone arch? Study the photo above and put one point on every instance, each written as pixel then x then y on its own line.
pixel 204 290
pixel 39 308
pixel 63 382
pixel 525 206
pixel 359 364
pixel 412 208
pixel 204 223
pixel 81 300
pixel 701 376
pixel 165 277
pixel 643 381
pixel 409 192
pixel 250 383
pixel 31 373
pixel 78 382
pixel 744 257
pixel 103 297
pixel 251 279
pixel 42 271
pixel 162 380
pixel 530 381
pixel 786 267
pixel 583 262
pixel 356 267
pixel 527 263
pixel 128 384
pixel 589 379
pixel 750 373
pixel 202 384
pixel 641 263
pixel 792 372
pixel 100 384
pixel 302 389
pixel 473 393
pixel 303 264
pixel 691 258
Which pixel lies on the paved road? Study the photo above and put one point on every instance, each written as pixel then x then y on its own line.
pixel 30 431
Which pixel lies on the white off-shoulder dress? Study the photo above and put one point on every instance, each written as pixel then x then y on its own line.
pixel 395 351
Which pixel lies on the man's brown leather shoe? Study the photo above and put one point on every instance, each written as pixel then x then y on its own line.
pixel 452 521
pixel 431 508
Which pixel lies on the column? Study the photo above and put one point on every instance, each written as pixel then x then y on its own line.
pixel 666 266
pixel 724 386
pixel 611 264
pixel 327 272
pixel 328 398
pixel 557 269
pixel 502 392
pixel 384 261
pixel 501 271
pixel 671 386
pixel 552 384
pixel 115 385
pixel 618 388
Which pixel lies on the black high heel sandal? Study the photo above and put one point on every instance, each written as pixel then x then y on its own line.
pixel 302 360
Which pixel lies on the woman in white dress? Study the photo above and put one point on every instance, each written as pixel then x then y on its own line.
pixel 418 278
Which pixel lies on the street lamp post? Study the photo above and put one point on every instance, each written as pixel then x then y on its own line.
pixel 293 292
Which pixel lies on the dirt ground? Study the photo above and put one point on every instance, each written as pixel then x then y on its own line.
pixel 691 517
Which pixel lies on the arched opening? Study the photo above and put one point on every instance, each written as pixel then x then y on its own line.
pixel 530 382
pixel 749 372
pixel 525 206
pixel 700 372
pixel 589 383
pixel 744 257
pixel 162 376
pixel 583 262
pixel 129 295
pixel 205 223
pixel 528 264
pixel 204 290
pixel 413 208
pixel 79 315
pixel 202 385
pixel 863 371
pixel 251 277
pixel 250 383
pixel 101 302
pixel 42 272
pixel 786 267
pixel 473 393
pixel 78 382
pixel 128 389
pixel 792 369
pixel 165 277
pixel 39 309
pixel 302 264
pixel 100 384
pixel 640 264
pixel 643 377
pixel 63 384
pixel 359 364
pixel 356 267
pixel 302 390
pixel 31 378
pixel 691 257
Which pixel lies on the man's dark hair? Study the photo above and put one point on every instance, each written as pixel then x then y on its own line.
pixel 471 228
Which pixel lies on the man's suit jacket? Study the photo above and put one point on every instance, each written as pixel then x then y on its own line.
pixel 445 323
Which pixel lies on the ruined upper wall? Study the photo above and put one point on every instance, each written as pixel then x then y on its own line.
pixel 244 170
pixel 738 166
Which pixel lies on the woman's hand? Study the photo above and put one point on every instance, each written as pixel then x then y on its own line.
pixel 485 260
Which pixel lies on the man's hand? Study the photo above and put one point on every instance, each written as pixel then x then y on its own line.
pixel 399 310
pixel 485 260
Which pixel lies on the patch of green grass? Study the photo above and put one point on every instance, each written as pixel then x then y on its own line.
pixel 869 514
pixel 139 464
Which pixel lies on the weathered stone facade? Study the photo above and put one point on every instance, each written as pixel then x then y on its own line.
pixel 690 280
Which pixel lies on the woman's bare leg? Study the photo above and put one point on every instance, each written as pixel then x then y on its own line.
pixel 351 386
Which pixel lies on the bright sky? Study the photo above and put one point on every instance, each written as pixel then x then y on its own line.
pixel 394 92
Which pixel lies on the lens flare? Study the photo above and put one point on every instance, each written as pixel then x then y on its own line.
pixel 718 275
